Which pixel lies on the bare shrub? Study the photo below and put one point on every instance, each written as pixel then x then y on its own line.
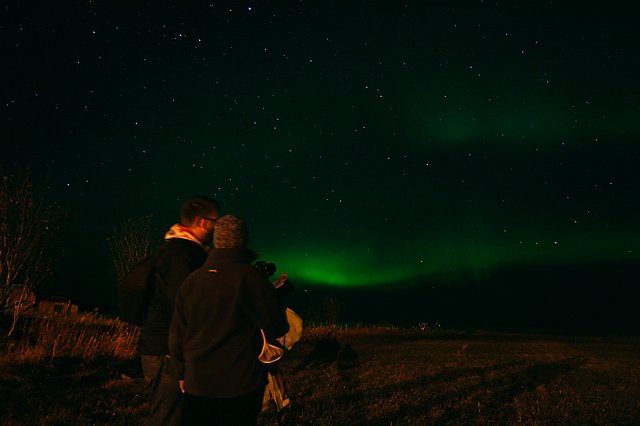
pixel 129 243
pixel 28 225
pixel 87 336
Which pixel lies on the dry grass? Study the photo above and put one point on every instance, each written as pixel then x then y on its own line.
pixel 68 370
pixel 371 376
pixel 396 377
pixel 86 336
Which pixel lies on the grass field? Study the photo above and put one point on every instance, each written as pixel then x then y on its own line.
pixel 370 376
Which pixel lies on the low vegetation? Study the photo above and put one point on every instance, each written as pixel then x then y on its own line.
pixel 85 336
pixel 72 371
pixel 388 377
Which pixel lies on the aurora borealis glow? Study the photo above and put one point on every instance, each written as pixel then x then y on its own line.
pixel 366 142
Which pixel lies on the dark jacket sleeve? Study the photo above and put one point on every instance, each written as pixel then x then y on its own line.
pixel 176 335
pixel 263 306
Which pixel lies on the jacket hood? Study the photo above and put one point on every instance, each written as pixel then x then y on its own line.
pixel 183 233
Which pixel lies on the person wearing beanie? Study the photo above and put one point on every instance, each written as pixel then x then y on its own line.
pixel 183 251
pixel 230 232
pixel 215 337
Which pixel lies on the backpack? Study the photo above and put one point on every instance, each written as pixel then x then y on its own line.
pixel 135 291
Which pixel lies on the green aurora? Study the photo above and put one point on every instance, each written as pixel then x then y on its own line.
pixel 442 261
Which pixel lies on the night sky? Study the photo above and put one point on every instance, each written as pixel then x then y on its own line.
pixel 367 143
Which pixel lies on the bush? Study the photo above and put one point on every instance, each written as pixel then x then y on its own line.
pixel 86 336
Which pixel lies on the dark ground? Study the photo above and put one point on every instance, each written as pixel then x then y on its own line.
pixel 582 298
pixel 373 376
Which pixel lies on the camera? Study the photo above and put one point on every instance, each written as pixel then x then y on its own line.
pixel 282 285
pixel 269 268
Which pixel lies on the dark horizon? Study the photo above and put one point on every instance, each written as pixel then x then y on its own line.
pixel 580 298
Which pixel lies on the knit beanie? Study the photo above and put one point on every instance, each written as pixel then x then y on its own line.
pixel 230 232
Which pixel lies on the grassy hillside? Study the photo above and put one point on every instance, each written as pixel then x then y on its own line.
pixel 368 376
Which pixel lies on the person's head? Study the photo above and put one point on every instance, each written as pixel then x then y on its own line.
pixel 230 232
pixel 199 214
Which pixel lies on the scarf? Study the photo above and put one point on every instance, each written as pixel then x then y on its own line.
pixel 179 231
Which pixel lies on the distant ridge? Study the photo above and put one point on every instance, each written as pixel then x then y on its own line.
pixel 586 297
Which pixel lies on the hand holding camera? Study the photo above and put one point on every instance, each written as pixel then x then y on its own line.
pixel 282 285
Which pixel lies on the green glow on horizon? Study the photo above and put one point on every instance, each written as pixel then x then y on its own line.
pixel 355 267
pixel 363 266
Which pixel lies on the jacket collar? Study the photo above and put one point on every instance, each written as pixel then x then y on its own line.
pixel 178 231
pixel 243 255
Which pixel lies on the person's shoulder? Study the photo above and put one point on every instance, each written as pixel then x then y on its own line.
pixel 182 244
pixel 181 252
pixel 176 247
pixel 253 273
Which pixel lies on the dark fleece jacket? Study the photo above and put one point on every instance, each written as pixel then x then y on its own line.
pixel 174 261
pixel 215 339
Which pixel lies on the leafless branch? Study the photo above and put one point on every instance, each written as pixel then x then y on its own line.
pixel 129 243
pixel 28 224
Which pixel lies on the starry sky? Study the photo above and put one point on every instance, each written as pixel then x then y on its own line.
pixel 366 143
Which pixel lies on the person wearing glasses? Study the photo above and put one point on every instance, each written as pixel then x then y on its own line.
pixel 184 250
